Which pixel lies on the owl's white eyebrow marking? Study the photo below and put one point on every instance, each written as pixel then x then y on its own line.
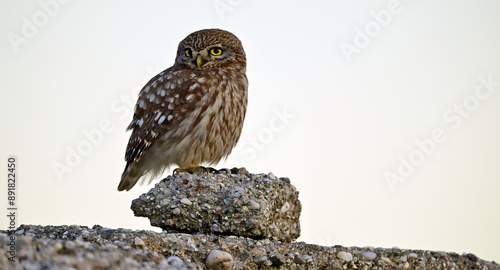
pixel 162 118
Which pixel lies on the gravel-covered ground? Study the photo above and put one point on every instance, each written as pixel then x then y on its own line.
pixel 80 247
pixel 230 219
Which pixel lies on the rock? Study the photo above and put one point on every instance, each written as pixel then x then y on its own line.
pixel 471 257
pixel 138 242
pixel 346 256
pixel 254 205
pixel 369 255
pixel 277 260
pixel 186 201
pixel 107 233
pixel 174 261
pixel 231 202
pixel 299 260
pixel 219 260
pixel 260 260
pixel 63 247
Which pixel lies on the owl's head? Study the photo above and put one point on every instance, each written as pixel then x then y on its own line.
pixel 211 49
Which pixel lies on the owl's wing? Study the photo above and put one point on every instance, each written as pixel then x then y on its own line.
pixel 160 102
pixel 146 124
pixel 144 132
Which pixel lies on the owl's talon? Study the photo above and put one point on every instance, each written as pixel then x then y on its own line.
pixel 199 169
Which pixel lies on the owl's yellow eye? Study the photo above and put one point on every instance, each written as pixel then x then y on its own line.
pixel 188 52
pixel 216 51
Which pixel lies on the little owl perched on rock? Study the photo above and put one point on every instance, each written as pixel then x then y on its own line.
pixel 192 112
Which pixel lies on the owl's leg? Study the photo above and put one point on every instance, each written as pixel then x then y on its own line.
pixel 198 169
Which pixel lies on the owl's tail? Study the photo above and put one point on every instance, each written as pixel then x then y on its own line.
pixel 130 177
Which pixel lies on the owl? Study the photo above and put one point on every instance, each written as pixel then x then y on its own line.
pixel 190 113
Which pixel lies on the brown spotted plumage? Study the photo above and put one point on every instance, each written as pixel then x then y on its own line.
pixel 191 113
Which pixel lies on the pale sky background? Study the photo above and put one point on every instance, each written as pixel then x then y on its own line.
pixel 340 92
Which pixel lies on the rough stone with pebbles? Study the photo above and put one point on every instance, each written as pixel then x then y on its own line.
pixel 229 202
pixel 80 247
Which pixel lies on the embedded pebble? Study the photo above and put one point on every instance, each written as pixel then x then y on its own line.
pixel 285 207
pixel 272 176
pixel 254 205
pixel 299 260
pixel 219 260
pixel 138 242
pixel 369 255
pixel 186 201
pixel 308 258
pixel 175 261
pixel 164 202
pixel 285 179
pixel 57 246
pixel 385 259
pixel 176 211
pixel 346 256
pixel 277 260
pixel 260 260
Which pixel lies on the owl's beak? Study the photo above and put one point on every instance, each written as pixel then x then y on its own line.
pixel 199 61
